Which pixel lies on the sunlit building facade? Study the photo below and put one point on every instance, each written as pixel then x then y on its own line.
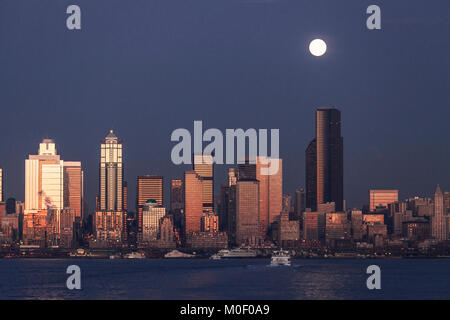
pixel 204 167
pixel 248 229
pixel 148 187
pixel 73 187
pixel 382 198
pixel 439 220
pixel 193 202
pixel 151 215
pixel 44 179
pixel 270 189
pixel 111 174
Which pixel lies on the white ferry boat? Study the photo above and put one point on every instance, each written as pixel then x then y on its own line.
pixel 280 258
pixel 237 253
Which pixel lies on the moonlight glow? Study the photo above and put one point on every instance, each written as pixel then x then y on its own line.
pixel 317 47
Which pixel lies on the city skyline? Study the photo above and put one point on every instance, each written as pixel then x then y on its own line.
pixel 161 70
pixel 218 171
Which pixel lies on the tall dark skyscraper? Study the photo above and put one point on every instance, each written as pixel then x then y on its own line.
pixel 328 162
pixel 311 176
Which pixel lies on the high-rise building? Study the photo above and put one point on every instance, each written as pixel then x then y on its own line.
pixel 53 197
pixel 382 198
pixel 148 187
pixel 299 203
pixel 324 161
pixel 1 185
pixel 439 221
pixel 227 210
pixel 193 202
pixel 270 189
pixel 176 195
pixel 311 175
pixel 203 166
pixel 44 176
pixel 151 216
pixel 111 174
pixel 73 187
pixel 329 144
pixel 248 229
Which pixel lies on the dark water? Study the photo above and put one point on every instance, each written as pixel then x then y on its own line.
pixel 224 279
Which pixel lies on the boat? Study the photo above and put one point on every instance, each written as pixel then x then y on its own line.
pixel 115 256
pixel 280 258
pixel 237 253
pixel 215 257
pixel 178 254
pixel 134 255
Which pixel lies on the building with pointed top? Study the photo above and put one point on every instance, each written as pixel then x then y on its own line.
pixel 439 220
pixel 111 174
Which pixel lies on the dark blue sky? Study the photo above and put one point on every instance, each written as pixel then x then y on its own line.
pixel 145 68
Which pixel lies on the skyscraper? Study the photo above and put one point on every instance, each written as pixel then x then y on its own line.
pixel 270 189
pixel 311 175
pixel 148 187
pixel 248 230
pixel 176 194
pixel 53 197
pixel 111 174
pixel 44 187
pixel 299 203
pixel 203 166
pixel 193 202
pixel 73 187
pixel 439 222
pixel 328 161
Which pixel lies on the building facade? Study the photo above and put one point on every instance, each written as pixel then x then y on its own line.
pixel 176 195
pixel 111 174
pixel 147 187
pixel 439 221
pixel 325 162
pixel 248 229
pixel 382 198
pixel 193 202
pixel 204 167
pixel 151 216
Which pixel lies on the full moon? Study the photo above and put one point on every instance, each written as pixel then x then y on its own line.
pixel 317 47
